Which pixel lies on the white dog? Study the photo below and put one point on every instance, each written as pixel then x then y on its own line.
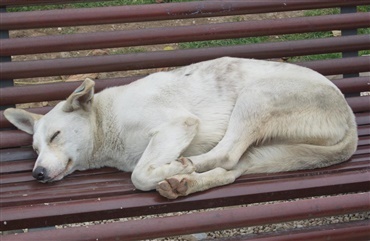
pixel 196 127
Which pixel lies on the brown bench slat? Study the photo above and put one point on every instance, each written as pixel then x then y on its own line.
pixel 356 230
pixel 16 166
pixel 339 66
pixel 75 178
pixel 15 178
pixel 25 175
pixel 90 176
pixel 59 43
pixel 363 118
pixel 363 150
pixel 24 179
pixel 364 130
pixel 14 138
pixel 60 91
pixel 158 59
pixel 151 203
pixel 53 91
pixel 359 104
pixel 15 154
pixel 352 85
pixel 364 140
pixel 75 192
pixel 125 14
pixel 211 220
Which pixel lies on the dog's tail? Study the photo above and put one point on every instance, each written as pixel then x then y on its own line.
pixel 290 157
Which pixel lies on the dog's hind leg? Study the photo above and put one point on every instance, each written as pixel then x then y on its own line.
pixel 249 115
pixel 262 159
pixel 161 157
pixel 267 117
pixel 291 157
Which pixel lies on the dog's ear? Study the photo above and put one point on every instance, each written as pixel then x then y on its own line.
pixel 22 119
pixel 81 98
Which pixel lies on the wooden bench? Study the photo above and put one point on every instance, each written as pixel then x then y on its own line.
pixel 107 193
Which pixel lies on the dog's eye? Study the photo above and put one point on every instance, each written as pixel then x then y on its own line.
pixel 54 136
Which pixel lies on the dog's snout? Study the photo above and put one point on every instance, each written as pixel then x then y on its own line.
pixel 39 173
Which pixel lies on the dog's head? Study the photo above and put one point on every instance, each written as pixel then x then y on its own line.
pixel 63 137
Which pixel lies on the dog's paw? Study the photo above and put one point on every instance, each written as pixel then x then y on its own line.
pixel 185 161
pixel 173 187
pixel 187 165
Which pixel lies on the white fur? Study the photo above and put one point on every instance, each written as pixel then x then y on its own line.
pixel 229 116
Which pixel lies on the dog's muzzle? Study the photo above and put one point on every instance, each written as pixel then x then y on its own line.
pixel 40 174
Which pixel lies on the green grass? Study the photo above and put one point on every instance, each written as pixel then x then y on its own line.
pixel 324 11
pixel 223 42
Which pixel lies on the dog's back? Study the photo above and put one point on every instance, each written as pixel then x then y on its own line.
pixel 306 106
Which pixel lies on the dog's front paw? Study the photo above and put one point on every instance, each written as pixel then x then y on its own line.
pixel 173 187
pixel 187 165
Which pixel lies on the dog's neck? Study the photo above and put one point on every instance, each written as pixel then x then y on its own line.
pixel 98 133
pixel 105 151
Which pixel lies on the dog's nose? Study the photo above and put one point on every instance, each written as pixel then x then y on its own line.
pixel 39 173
